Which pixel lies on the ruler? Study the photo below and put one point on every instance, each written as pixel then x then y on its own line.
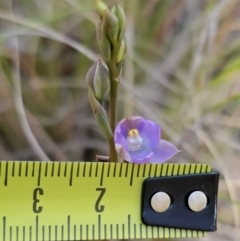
pixel 44 201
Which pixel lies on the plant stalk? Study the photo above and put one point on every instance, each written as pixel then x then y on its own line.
pixel 113 107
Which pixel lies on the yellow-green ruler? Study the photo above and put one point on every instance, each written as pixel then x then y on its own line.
pixel 43 201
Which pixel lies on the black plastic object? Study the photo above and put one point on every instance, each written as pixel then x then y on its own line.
pixel 179 215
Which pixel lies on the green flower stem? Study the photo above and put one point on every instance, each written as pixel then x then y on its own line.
pixel 113 104
pixel 113 118
pixel 113 72
pixel 112 151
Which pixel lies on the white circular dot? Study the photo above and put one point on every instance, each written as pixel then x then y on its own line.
pixel 160 202
pixel 197 201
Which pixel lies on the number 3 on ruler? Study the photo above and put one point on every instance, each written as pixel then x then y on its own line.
pixel 100 208
pixel 36 192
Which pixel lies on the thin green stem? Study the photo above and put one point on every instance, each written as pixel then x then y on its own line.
pixel 113 118
pixel 113 106
pixel 112 151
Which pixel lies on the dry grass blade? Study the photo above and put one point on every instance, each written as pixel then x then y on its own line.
pixel 17 96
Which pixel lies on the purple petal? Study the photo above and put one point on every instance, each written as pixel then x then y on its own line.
pixel 125 125
pixel 123 153
pixel 163 152
pixel 150 132
pixel 120 139
pixel 141 156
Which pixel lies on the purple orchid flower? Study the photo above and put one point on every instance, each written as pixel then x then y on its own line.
pixel 139 141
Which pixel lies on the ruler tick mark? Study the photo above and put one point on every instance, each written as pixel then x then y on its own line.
pixel 150 169
pixel 46 169
pixel 84 169
pixel 24 233
pixel 93 230
pixel 195 168
pixel 81 232
pixel 184 167
pixel 109 167
pixel 39 173
pixel 68 226
pixel 59 169
pixel 96 172
pixel 155 171
pixel 6 175
pixel 111 231
pixel 71 175
pixel 146 228
pixel 37 228
pixel 117 230
pixel 167 169
pixel 123 231
pixel 126 173
pixel 90 170
pixel 65 169
pixel 87 231
pixel 17 232
pixel 129 225
pixel 33 169
pixel 99 226
pixel 160 171
pixel 4 228
pixel 50 233
pixel 132 172
pixel 43 232
pixel 140 231
pixel 135 236
pixel 120 172
pixel 62 232
pixel 26 170
pixel 13 169
pixel 144 169
pixel 10 233
pixel 172 171
pixel 20 169
pixel 114 171
pixel 177 171
pixel 138 170
pixel 52 171
pixel 30 233
pixel 102 175
pixel 78 167
pixel 74 232
pixel 105 231
pixel 56 232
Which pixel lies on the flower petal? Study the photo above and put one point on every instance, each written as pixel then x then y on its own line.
pixel 141 156
pixel 120 139
pixel 126 124
pixel 123 153
pixel 150 133
pixel 163 152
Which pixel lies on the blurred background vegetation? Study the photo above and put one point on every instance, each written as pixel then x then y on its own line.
pixel 182 70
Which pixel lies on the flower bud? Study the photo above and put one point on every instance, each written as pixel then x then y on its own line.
pixel 122 51
pixel 103 44
pixel 110 25
pixel 119 13
pixel 98 80
pixel 101 7
pixel 100 115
